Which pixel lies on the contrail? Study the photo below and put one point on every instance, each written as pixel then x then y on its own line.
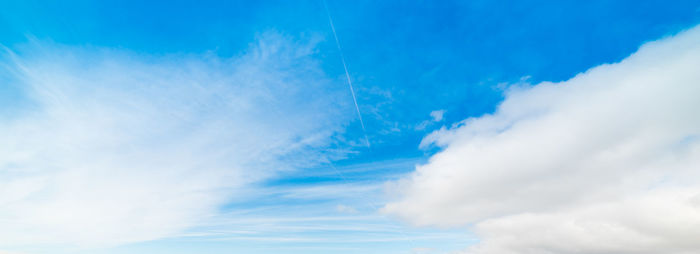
pixel 347 74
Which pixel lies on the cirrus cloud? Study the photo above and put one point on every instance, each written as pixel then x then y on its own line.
pixel 112 147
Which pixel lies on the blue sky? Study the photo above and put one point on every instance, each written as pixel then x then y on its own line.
pixel 245 104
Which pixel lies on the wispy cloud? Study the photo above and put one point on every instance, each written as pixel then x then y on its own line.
pixel 436 116
pixel 120 147
pixel 8 252
pixel 305 227
pixel 605 162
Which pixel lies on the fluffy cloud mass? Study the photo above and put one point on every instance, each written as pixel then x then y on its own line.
pixel 606 162
pixel 111 147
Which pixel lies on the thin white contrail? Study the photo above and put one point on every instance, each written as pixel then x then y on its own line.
pixel 347 74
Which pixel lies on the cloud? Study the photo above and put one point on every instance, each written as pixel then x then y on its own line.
pixel 606 162
pixel 7 252
pixel 345 209
pixel 437 115
pixel 422 250
pixel 115 147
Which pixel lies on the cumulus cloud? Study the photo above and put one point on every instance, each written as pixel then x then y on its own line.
pixel 111 146
pixel 606 162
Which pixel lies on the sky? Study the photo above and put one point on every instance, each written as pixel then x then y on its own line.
pixel 484 127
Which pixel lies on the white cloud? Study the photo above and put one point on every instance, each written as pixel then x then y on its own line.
pixel 606 162
pixel 345 209
pixel 7 252
pixel 437 115
pixel 119 147
pixel 422 250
